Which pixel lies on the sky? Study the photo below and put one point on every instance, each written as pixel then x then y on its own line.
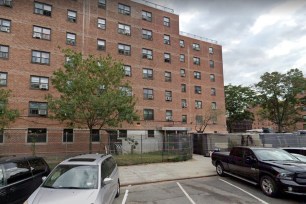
pixel 257 36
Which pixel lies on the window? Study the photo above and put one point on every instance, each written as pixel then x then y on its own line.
pixel 101 44
pixel 150 133
pixel 169 116
pixel 167 39
pixel 167 76
pixel 3 104
pixel 196 60
pixel 184 119
pixel 122 133
pixel 41 33
pixel 147 16
pixel 148 94
pixel 71 16
pixel 124 9
pixel 197 75
pixel 210 50
pixel 8 3
pixel 182 43
pixel 148 114
pixel 304 118
pixel 147 54
pixel 1 141
pixel 197 89
pixel 147 34
pixel 101 23
pixel 3 78
pixel 38 109
pixel 212 91
pixel 167 21
pixel 37 135
pixel 167 58
pixel 182 58
pixel 39 82
pixel 213 105
pixel 124 29
pixel 102 4
pixel 40 57
pixel 68 135
pixel 42 9
pixel 126 91
pixel 124 49
pixel 4 52
pixel 212 78
pixel 95 135
pixel 147 73
pixel 184 103
pixel 198 104
pixel 196 46
pixel 211 64
pixel 183 88
pixel 127 70
pixel 183 72
pixel 199 119
pixel 5 25
pixel 168 95
pixel 70 39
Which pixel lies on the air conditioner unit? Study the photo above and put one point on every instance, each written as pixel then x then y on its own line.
pixel 37 35
pixel 211 52
pixel 5 29
pixel 42 112
pixel 199 91
pixel 198 107
pixel 7 3
pixel 147 18
pixel 168 118
pixel 168 98
pixel 101 26
pixel 150 96
pixel 43 86
pixel 184 105
pixel 149 57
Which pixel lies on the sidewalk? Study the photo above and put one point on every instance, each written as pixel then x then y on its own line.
pixel 198 166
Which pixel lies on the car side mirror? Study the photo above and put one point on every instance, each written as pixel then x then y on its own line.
pixel 107 180
pixel 43 178
pixel 250 160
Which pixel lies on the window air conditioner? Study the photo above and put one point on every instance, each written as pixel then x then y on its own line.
pixel 5 29
pixel 184 105
pixel 150 96
pixel 37 35
pixel 168 118
pixel 168 98
pixel 149 56
pixel 42 112
pixel 43 86
pixel 8 3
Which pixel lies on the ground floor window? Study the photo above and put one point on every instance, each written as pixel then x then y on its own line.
pixel 95 135
pixel 1 136
pixel 37 135
pixel 68 135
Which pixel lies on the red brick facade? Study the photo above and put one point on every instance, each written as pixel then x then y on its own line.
pixel 21 42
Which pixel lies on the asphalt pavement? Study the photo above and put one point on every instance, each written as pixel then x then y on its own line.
pixel 198 166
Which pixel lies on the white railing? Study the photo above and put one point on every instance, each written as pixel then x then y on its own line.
pixel 153 5
pixel 198 37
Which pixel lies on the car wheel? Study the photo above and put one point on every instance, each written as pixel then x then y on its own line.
pixel 268 186
pixel 220 169
pixel 118 190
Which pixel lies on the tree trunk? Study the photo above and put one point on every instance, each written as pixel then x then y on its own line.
pixel 90 139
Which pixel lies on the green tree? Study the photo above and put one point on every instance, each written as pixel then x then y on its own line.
pixel 7 115
pixel 238 99
pixel 208 117
pixel 93 93
pixel 278 97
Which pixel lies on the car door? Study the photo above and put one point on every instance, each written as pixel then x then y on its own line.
pixel 105 188
pixel 3 194
pixel 113 175
pixel 250 165
pixel 236 161
pixel 39 169
pixel 19 181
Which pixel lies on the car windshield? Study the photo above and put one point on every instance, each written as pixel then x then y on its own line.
pixel 300 157
pixel 274 155
pixel 73 177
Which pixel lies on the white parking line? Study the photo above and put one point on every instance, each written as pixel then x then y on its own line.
pixel 126 195
pixel 262 201
pixel 185 193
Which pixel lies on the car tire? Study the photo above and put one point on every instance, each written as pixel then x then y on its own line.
pixel 118 190
pixel 268 186
pixel 220 169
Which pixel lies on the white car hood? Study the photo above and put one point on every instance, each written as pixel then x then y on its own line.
pixel 63 196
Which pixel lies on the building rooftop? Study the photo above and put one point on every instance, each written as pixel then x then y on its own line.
pixel 154 5
pixel 198 37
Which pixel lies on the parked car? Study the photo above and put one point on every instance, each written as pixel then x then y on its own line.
pixel 20 177
pixel 275 170
pixel 89 178
pixel 296 150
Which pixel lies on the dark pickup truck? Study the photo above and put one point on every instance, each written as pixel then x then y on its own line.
pixel 275 170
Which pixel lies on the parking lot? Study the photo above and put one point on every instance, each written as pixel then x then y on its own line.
pixel 199 191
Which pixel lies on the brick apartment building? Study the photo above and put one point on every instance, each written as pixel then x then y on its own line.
pixel 174 75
